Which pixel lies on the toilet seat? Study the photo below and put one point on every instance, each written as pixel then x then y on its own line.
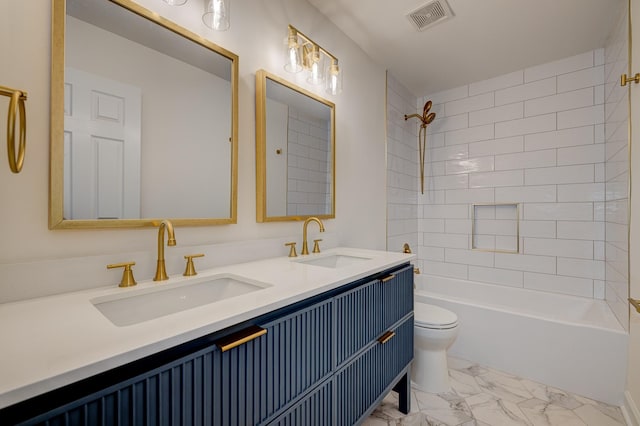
pixel 434 317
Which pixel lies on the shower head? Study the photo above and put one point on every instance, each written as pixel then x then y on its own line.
pixel 427 117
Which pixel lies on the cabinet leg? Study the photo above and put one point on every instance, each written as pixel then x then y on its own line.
pixel 403 387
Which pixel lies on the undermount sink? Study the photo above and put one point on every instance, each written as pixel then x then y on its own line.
pixel 153 303
pixel 334 260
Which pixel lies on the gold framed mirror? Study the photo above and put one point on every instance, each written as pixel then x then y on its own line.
pixel 295 152
pixel 144 120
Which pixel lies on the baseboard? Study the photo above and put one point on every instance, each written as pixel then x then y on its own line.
pixel 630 410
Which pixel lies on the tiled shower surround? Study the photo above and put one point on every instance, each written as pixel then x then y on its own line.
pixel 535 137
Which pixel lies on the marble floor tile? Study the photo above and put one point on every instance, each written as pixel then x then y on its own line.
pixel 544 413
pixel 447 408
pixel 503 386
pixel 552 395
pixel 481 396
pixel 592 416
pixel 497 412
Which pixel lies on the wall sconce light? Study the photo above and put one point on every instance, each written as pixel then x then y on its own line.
pixel 303 53
pixel 216 14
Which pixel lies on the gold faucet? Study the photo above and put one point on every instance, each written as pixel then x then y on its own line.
pixel 161 272
pixel 305 247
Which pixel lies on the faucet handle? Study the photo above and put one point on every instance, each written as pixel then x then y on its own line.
pixel 292 250
pixel 190 270
pixel 316 246
pixel 127 275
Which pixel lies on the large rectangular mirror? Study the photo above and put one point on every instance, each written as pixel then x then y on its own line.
pixel 295 152
pixel 143 120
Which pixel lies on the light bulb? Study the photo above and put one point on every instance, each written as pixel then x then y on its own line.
pixel 333 84
pixel 315 69
pixel 175 2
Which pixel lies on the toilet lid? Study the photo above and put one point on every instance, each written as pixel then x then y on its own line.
pixel 432 316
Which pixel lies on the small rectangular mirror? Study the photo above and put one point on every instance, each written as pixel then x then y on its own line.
pixel 295 152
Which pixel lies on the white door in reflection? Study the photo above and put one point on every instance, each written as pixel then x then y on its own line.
pixel 102 148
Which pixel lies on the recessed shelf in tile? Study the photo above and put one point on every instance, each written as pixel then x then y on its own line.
pixel 495 227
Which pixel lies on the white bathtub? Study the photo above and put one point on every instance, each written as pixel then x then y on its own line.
pixel 571 343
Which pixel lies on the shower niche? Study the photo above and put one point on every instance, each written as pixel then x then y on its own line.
pixel 495 227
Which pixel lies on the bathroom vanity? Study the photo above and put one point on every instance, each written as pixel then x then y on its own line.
pixel 323 346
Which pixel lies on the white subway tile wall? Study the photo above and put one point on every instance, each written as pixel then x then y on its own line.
pixel 552 138
pixel 308 160
pixel 403 185
pixel 532 137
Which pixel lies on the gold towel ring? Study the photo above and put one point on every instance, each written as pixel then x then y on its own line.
pixel 16 103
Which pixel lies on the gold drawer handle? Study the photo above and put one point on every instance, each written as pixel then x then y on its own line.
pixel 236 339
pixel 386 337
pixel 635 303
pixel 387 278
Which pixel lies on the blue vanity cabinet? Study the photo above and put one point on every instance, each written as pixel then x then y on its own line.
pixel 325 360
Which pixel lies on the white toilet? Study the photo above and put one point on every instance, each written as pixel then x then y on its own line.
pixel 435 329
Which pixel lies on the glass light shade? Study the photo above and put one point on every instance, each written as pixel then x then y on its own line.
pixel 316 66
pixel 175 2
pixel 292 57
pixel 333 79
pixel 216 14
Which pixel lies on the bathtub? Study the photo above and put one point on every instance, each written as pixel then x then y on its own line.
pixel 571 343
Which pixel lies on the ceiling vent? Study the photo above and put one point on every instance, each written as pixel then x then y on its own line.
pixel 430 14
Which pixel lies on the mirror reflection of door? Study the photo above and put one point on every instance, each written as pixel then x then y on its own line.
pixel 102 148
pixel 277 136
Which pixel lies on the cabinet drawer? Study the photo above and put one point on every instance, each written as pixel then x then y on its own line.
pixel 365 312
pixel 378 365
pixel 314 409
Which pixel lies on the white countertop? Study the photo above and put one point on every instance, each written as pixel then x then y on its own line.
pixel 53 341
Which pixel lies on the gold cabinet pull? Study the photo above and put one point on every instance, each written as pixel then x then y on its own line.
pixel 236 339
pixel 387 278
pixel 190 270
pixel 386 337
pixel 635 303
pixel 16 105
pixel 127 275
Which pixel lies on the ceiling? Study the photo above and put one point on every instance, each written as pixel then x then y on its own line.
pixel 486 38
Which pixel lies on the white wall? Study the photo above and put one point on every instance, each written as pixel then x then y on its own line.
pixel 257 32
pixel 533 137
